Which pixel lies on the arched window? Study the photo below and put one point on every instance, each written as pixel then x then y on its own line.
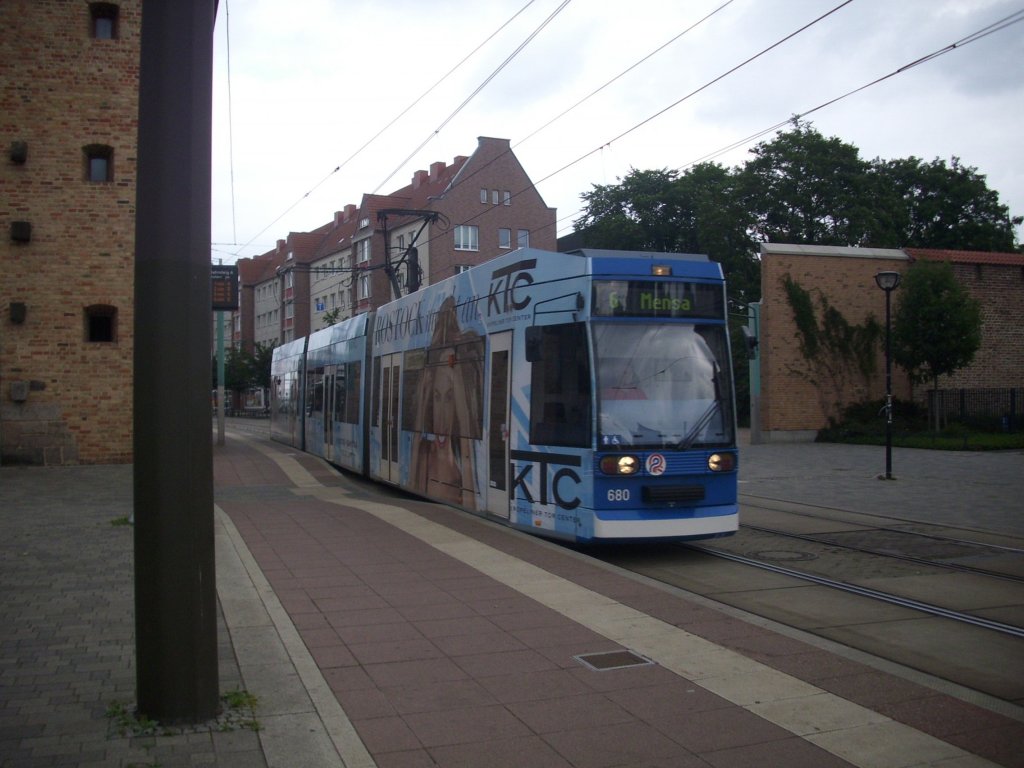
pixel 101 323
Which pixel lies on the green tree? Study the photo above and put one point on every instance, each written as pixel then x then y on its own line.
pixel 799 187
pixel 936 326
pixel 261 360
pixel 697 211
pixel 803 188
pixel 243 370
pixel 237 369
pixel 640 213
pixel 934 205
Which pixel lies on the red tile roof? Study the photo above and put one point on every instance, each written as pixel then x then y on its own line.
pixel 338 233
pixel 966 257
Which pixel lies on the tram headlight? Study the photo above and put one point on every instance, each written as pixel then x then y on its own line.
pixel 620 465
pixel 722 462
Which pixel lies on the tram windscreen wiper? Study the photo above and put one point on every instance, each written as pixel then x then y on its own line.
pixel 702 422
pixel 705 417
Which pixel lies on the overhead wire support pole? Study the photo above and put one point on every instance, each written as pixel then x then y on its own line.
pixel 175 580
pixel 411 255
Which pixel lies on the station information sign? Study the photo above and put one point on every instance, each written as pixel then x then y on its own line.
pixel 224 286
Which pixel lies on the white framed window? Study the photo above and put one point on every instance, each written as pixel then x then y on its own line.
pixel 460 268
pixel 364 287
pixel 467 237
pixel 363 251
pixel 508 197
pixel 494 196
pixel 289 310
pixel 483 196
pixel 289 279
pixel 523 238
pixel 504 238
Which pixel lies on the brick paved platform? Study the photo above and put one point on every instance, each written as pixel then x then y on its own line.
pixel 381 630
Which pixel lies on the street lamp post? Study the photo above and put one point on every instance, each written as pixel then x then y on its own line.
pixel 888 281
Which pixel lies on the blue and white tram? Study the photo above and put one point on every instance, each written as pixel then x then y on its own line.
pixel 287 376
pixel 583 396
pixel 333 396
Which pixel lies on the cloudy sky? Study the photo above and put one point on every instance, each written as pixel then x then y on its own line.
pixel 327 96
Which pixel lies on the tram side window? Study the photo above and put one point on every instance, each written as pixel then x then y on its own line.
pixel 315 392
pixel 375 410
pixel 353 374
pixel 560 387
pixel 339 393
pixel 412 376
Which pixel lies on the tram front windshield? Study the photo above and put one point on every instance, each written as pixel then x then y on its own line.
pixel 663 385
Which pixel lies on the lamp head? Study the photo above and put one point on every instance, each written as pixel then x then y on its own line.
pixel 887 281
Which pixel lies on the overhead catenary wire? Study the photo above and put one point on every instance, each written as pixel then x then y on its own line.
pixel 482 167
pixel 997 26
pixel 984 32
pixel 519 49
pixel 379 133
pixel 231 130
pixel 603 145
pixel 623 73
pixel 664 110
pixel 694 92
pixel 593 93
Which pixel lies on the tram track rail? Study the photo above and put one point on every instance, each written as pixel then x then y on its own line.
pixel 762 503
pixel 943 600
pixel 827 540
pixel 887 597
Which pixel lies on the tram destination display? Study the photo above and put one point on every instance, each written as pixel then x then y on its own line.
pixel 650 298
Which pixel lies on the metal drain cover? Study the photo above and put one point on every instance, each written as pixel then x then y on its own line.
pixel 601 662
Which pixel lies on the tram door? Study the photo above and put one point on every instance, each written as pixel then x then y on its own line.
pixel 498 469
pixel 390 413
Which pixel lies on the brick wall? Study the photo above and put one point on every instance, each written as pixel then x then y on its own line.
pixel 1000 361
pixel 793 407
pixel 60 91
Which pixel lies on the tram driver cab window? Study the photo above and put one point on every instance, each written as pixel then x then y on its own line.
pixel 559 385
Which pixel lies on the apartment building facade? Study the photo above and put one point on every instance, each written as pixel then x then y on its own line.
pixel 69 119
pixel 455 215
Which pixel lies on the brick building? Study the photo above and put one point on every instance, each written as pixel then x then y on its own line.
pixel 788 405
pixel 69 80
pixel 68 118
pixel 473 209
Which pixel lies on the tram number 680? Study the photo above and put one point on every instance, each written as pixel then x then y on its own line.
pixel 618 494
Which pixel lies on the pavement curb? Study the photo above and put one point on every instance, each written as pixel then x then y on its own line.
pixel 306 725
